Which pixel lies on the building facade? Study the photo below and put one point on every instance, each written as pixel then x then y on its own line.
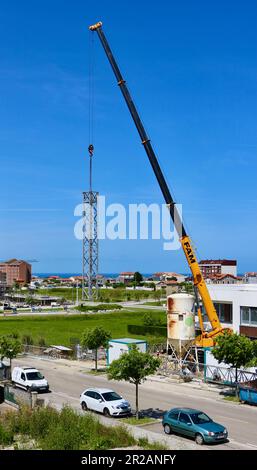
pixel 126 277
pixel 223 279
pixel 250 278
pixel 16 271
pixel 2 283
pixel 169 276
pixel 212 267
pixel 236 305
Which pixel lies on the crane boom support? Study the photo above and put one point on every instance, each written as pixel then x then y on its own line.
pixel 199 282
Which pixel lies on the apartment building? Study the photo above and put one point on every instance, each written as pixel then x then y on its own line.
pixel 212 267
pixel 16 271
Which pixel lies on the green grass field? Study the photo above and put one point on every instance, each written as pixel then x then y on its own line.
pixel 105 295
pixel 58 329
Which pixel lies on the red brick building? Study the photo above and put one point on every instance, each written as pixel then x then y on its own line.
pixel 16 271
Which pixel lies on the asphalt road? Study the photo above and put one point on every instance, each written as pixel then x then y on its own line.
pixel 68 380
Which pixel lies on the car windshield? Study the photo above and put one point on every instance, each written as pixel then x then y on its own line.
pixel 200 418
pixel 34 376
pixel 110 396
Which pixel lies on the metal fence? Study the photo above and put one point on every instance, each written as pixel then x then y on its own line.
pixel 209 373
pixel 52 353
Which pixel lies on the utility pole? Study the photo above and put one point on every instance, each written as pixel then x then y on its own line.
pixel 77 293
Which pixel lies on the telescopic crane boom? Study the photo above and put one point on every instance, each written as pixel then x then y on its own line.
pixel 206 339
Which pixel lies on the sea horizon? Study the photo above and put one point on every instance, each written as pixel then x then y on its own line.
pixel 67 275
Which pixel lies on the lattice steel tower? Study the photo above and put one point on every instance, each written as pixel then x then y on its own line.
pixel 90 239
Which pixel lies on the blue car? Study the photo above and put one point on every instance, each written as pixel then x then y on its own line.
pixel 193 423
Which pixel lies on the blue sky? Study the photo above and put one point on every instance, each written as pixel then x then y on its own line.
pixel 191 68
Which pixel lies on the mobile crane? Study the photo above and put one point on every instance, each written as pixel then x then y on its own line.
pixel 206 338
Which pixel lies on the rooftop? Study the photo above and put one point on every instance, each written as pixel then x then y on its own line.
pixel 127 340
pixel 223 262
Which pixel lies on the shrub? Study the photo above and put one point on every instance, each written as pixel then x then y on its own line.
pixel 42 342
pixel 148 320
pixel 6 436
pixel 151 330
pixel 27 340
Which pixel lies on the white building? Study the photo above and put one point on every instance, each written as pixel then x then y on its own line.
pixel 250 278
pixel 122 345
pixel 236 305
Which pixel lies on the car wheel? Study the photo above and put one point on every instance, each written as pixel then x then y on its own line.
pixel 199 439
pixel 106 412
pixel 28 389
pixel 167 429
pixel 84 406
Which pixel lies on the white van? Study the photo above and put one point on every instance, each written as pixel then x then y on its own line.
pixel 29 378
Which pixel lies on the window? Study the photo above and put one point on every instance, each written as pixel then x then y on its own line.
pixel 22 376
pixel 253 314
pixel 200 418
pixel 97 396
pixel 183 418
pixel 174 415
pixel 34 376
pixel 248 315
pixel 111 396
pixel 224 312
pixel 245 315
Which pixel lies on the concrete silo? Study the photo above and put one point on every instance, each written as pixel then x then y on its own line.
pixel 180 323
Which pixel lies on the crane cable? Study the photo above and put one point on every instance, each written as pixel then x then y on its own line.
pixel 91 93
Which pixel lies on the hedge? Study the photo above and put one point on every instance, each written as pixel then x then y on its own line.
pixel 151 330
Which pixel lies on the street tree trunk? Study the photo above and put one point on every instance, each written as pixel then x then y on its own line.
pixel 95 359
pixel 137 414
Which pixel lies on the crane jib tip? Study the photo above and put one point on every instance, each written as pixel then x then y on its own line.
pixel 95 26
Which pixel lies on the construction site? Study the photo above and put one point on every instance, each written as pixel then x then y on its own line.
pixel 178 346
pixel 181 308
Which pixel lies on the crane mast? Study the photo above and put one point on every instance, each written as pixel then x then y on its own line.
pixel 206 339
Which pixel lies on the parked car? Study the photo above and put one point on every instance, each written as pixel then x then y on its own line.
pixel 29 379
pixel 104 401
pixel 193 423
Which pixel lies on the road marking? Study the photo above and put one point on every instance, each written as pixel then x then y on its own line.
pixel 233 419
pixel 64 395
pixel 252 445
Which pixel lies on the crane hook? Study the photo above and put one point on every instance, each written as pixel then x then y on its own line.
pixel 91 150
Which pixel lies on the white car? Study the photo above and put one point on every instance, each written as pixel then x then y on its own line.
pixel 104 401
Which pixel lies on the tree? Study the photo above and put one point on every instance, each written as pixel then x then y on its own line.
pixel 138 278
pixel 233 349
pixel 133 367
pixel 94 338
pixel 15 285
pixel 30 300
pixel 10 346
